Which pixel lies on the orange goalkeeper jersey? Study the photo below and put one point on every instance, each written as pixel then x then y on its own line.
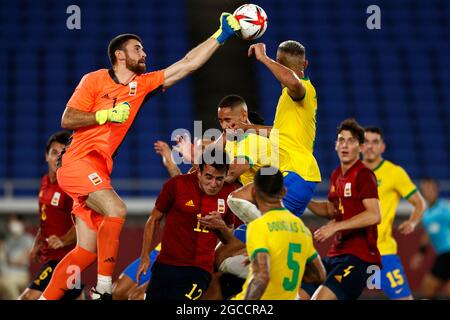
pixel 100 90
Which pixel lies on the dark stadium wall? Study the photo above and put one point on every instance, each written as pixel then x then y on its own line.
pixel 229 71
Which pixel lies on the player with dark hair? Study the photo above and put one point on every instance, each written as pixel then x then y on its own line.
pixel 393 184
pixel 248 151
pixel 189 205
pixel 279 245
pixel 55 236
pixel 436 222
pixel 101 111
pixel 354 210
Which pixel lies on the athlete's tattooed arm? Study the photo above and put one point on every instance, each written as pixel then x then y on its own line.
pixel 260 276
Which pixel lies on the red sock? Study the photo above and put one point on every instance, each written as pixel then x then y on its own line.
pixel 108 244
pixel 64 270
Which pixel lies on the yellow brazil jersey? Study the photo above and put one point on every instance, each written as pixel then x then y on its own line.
pixel 290 246
pixel 294 133
pixel 393 184
pixel 253 148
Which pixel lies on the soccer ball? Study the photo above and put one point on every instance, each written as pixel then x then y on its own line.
pixel 253 21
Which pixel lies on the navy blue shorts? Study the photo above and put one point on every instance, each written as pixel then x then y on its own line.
pixel 347 277
pixel 177 283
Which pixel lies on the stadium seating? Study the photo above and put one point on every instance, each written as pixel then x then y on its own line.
pixel 396 78
pixel 42 63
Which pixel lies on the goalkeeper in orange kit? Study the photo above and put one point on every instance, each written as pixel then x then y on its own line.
pixel 101 111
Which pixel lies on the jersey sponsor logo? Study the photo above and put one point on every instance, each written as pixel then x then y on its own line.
pixel 95 178
pixel 189 203
pixel 55 199
pixel 348 189
pixel 133 88
pixel 221 205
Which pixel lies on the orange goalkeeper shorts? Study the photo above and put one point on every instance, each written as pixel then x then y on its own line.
pixel 80 178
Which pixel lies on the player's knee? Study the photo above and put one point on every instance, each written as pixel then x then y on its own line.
pixel 137 294
pixel 245 210
pixel 120 292
pixel 119 211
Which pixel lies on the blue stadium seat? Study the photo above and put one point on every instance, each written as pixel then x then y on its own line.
pixel 396 78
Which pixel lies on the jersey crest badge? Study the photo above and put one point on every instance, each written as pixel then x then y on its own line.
pixel 55 199
pixel 133 88
pixel 221 205
pixel 348 189
pixel 95 178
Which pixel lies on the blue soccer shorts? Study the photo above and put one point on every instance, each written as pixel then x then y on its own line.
pixel 393 278
pixel 299 192
pixel 131 270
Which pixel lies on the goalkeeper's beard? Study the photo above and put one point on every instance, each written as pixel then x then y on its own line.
pixel 135 66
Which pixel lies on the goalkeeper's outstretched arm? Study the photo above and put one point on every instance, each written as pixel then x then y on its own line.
pixel 198 56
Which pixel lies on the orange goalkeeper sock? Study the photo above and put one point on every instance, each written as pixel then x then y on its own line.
pixel 67 272
pixel 108 244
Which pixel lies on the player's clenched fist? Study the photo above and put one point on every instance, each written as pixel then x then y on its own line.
pixel 118 114
pixel 257 49
pixel 228 26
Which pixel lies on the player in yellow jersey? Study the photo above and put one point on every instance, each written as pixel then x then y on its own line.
pixel 294 129
pixel 279 245
pixel 248 151
pixel 393 184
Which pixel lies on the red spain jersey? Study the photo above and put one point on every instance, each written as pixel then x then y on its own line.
pixel 184 241
pixel 100 90
pixel 347 191
pixel 55 216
